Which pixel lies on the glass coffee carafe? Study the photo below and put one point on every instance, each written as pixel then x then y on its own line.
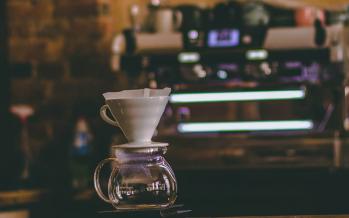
pixel 140 178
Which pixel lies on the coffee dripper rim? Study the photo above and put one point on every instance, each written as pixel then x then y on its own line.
pixel 160 93
pixel 150 144
pixel 139 97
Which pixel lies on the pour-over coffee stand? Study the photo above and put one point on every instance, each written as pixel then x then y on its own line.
pixel 141 179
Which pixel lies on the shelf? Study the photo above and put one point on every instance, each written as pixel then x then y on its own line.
pixel 21 197
pixel 213 55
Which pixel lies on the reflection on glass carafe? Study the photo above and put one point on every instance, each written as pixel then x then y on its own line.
pixel 141 179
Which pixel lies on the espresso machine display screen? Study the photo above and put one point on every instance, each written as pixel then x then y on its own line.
pixel 223 38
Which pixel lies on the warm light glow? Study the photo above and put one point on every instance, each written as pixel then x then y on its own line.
pixel 245 126
pixel 236 96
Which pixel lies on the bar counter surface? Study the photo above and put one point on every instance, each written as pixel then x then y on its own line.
pixel 298 216
pixel 293 216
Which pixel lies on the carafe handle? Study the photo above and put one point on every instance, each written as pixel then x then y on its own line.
pixel 105 117
pixel 96 178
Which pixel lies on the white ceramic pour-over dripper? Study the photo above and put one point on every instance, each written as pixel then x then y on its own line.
pixel 136 112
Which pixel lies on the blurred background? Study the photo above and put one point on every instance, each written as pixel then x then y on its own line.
pixel 257 121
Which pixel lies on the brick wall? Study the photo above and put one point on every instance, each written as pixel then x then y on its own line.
pixel 55 43
pixel 58 35
pixel 59 57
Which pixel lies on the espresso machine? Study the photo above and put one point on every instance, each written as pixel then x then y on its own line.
pixel 277 99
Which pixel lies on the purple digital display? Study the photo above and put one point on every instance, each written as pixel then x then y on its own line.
pixel 223 38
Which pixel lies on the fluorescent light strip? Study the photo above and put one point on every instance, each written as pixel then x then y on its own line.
pixel 188 57
pixel 257 54
pixel 236 96
pixel 245 126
